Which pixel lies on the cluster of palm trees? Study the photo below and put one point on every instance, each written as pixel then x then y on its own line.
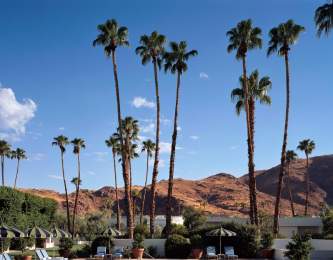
pixel 151 50
pixel 6 152
pixel 78 144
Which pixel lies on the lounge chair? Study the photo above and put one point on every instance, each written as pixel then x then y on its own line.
pixel 43 255
pixel 101 251
pixel 229 252
pixel 118 252
pixel 2 257
pixel 6 256
pixel 39 254
pixel 211 252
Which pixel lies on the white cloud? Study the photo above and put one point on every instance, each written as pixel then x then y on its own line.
pixel 166 147
pixel 91 173
pixel 100 156
pixel 14 115
pixel 161 162
pixel 148 129
pixel 61 128
pixel 36 157
pixel 55 177
pixel 179 128
pixel 233 147
pixel 194 137
pixel 203 75
pixel 139 102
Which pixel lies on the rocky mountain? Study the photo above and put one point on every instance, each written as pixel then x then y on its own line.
pixel 222 193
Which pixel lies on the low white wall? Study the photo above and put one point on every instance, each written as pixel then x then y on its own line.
pixel 322 249
pixel 159 244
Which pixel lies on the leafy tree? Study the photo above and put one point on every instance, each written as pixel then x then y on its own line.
pixel 152 50
pixel 282 38
pixel 18 154
pixel 78 144
pixel 290 157
pixel 114 144
pixel 149 147
pixel 307 146
pixel 299 248
pixel 176 63
pixel 61 141
pixel 324 18
pixel 4 152
pixel 112 36
pixel 243 38
pixel 193 218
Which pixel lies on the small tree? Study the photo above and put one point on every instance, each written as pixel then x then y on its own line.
pixel 193 218
pixel 299 248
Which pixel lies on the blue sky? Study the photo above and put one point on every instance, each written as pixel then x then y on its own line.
pixel 62 85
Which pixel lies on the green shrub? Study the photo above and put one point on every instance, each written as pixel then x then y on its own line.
pixel 176 229
pixel 196 241
pixel 21 243
pixel 177 246
pixel 299 248
pixel 101 241
pixel 193 218
pixel 82 252
pixel 65 243
pixel 4 244
pixel 266 240
pixel 142 229
pixel 138 241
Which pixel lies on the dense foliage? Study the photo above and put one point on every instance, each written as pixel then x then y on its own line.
pixel 196 241
pixel 101 241
pixel 24 210
pixel 177 246
pixel 176 229
pixel 299 248
pixel 266 240
pixel 193 218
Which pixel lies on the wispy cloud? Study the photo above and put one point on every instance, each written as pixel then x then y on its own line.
pixel 55 177
pixel 14 115
pixel 36 157
pixel 165 147
pixel 148 128
pixel 203 75
pixel 179 128
pixel 194 137
pixel 61 128
pixel 139 102
pixel 91 173
pixel 233 147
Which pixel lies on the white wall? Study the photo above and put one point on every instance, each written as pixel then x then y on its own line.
pixel 158 243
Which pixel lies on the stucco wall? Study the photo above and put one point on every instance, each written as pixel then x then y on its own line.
pixel 157 243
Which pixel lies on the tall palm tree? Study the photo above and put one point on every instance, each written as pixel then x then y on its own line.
pixel 282 38
pixel 307 146
pixel 152 50
pixel 18 154
pixel 257 91
pixel 113 143
pixel 290 157
pixel 61 141
pixel 77 182
pixel 4 152
pixel 176 63
pixel 78 144
pixel 242 38
pixel 112 36
pixel 148 146
pixel 324 18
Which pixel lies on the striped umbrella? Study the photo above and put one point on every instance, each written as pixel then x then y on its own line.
pixel 37 232
pixel 221 232
pixel 111 232
pixel 9 232
pixel 59 233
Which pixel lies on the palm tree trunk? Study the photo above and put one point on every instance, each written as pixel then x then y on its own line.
pixel 291 200
pixel 253 218
pixel 116 185
pixel 307 186
pixel 125 163
pixel 157 151
pixel 172 160
pixel 3 170
pixel 17 171
pixel 66 193
pixel 144 192
pixel 130 170
pixel 77 191
pixel 283 153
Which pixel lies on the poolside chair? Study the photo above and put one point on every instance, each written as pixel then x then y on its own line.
pixel 101 251
pixel 2 257
pixel 6 256
pixel 211 252
pixel 39 254
pixel 229 252
pixel 46 256
pixel 118 252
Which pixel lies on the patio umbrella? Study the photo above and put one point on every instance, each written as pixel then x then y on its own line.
pixel 9 232
pixel 221 232
pixel 59 233
pixel 111 232
pixel 37 232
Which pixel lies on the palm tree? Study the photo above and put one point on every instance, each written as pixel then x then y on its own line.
pixel 290 157
pixel 257 91
pixel 112 36
pixel 176 63
pixel 324 18
pixel 113 143
pixel 307 146
pixel 148 146
pixel 61 141
pixel 281 39
pixel 152 49
pixel 135 196
pixel 78 144
pixel 18 154
pixel 77 182
pixel 242 38
pixel 4 152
